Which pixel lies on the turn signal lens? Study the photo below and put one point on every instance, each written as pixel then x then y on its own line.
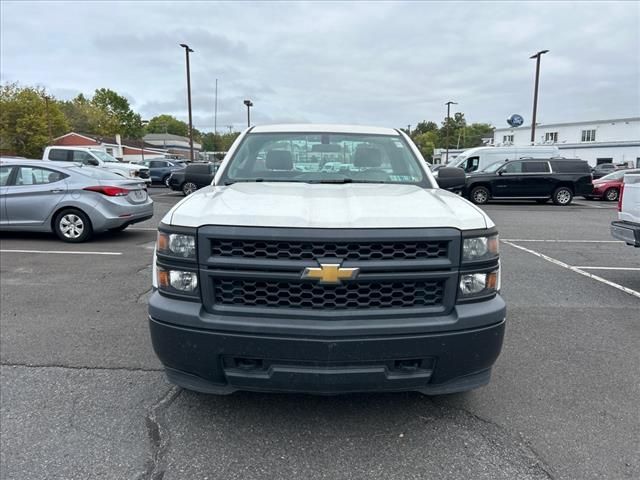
pixel 177 281
pixel 479 284
pixel 177 245
pixel 479 248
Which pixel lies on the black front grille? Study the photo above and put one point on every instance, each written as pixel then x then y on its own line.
pixel 353 251
pixel 313 296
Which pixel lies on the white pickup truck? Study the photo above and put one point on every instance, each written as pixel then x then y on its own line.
pixel 627 227
pixel 97 158
pixel 282 276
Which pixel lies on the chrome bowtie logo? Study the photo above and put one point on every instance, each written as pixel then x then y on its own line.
pixel 330 273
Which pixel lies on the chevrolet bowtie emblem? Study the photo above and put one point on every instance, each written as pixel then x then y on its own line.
pixel 330 273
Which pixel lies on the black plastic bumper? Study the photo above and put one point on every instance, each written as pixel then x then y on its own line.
pixel 627 232
pixel 222 361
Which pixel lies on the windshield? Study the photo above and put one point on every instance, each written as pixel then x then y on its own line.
pixel 493 167
pixel 105 157
pixel 324 158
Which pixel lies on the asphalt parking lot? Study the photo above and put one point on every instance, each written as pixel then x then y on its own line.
pixel 83 396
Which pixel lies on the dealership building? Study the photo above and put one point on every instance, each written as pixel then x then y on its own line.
pixel 599 141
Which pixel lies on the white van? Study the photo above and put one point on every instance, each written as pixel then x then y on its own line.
pixel 96 158
pixel 481 157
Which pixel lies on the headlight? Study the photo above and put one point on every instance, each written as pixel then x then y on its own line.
pixel 480 284
pixel 177 245
pixel 477 249
pixel 177 281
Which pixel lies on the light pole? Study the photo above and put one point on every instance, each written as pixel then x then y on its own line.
pixel 448 104
pixel 535 93
pixel 188 50
pixel 144 123
pixel 249 104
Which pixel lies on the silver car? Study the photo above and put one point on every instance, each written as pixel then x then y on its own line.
pixel 72 200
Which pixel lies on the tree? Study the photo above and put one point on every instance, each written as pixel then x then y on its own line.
pixel 167 124
pixel 83 116
pixel 424 127
pixel 28 118
pixel 474 133
pixel 218 142
pixel 116 115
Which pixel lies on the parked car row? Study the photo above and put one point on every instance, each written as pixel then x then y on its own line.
pixel 541 180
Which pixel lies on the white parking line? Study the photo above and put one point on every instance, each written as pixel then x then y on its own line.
pixel 574 269
pixel 631 269
pixel 68 252
pixel 558 241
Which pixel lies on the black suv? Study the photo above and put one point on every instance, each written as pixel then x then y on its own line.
pixel 558 179
pixel 193 177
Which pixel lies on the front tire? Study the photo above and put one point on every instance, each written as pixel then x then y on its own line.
pixel 562 196
pixel 188 188
pixel 479 195
pixel 165 180
pixel 611 194
pixel 73 226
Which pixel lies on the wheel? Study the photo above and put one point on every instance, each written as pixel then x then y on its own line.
pixel 611 194
pixel 479 195
pixel 72 226
pixel 542 200
pixel 562 196
pixel 165 180
pixel 188 188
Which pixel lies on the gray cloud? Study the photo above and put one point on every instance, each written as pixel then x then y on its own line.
pixel 386 63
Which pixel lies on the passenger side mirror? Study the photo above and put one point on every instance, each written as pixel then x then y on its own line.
pixel 451 178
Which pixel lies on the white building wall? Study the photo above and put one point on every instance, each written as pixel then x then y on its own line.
pixel 617 139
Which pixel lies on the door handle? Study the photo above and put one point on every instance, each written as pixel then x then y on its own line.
pixel 56 190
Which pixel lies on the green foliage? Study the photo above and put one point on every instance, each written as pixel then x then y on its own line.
pixel 116 115
pixel 26 114
pixel 218 143
pixel 167 124
pixel 455 132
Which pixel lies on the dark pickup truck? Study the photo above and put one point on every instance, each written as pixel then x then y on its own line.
pixel 558 179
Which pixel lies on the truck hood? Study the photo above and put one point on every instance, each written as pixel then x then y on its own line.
pixel 125 166
pixel 303 205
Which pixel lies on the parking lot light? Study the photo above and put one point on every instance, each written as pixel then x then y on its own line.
pixel 188 50
pixel 535 93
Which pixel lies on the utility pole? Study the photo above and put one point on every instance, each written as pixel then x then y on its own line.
pixel 230 127
pixel 46 102
pixel 448 104
pixel 249 104
pixel 215 112
pixel 535 94
pixel 409 130
pixel 188 50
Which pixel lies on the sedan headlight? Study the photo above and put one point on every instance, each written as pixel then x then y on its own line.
pixel 477 249
pixel 177 245
pixel 479 284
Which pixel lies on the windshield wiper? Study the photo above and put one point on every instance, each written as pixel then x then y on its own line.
pixel 246 180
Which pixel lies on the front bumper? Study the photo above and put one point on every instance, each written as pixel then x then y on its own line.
pixel 215 354
pixel 627 232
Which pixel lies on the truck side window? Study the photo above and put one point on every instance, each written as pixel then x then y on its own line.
pixel 59 155
pixel 472 164
pixel 84 158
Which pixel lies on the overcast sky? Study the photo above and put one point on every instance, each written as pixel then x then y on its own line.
pixel 375 63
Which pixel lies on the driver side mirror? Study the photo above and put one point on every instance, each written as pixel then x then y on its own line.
pixel 500 172
pixel 451 178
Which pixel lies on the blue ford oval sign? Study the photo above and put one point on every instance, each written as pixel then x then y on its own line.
pixel 515 120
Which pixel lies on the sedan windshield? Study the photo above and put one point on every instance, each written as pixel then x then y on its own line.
pixel 324 158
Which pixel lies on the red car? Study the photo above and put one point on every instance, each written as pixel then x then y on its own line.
pixel 608 187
